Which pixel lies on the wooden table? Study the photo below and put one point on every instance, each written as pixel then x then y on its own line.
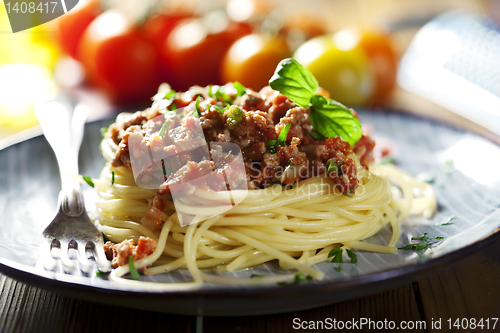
pixel 468 289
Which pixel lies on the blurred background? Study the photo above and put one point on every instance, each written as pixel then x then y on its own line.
pixel 435 58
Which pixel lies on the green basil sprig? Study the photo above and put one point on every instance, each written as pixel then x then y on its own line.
pixel 330 118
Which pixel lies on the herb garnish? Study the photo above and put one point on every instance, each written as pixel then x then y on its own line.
pixel 216 91
pixel 448 166
pixel 330 118
pixel 299 278
pixel 336 253
pixel 170 94
pixel 253 276
pixel 163 170
pixel 89 181
pixel 352 256
pixel 197 110
pixel 134 274
pixel 281 141
pixel 427 177
pixel 447 220
pixel 388 160
pixel 240 89
pixel 332 166
pixel 426 242
pixel 219 108
pixel 105 238
pixel 112 177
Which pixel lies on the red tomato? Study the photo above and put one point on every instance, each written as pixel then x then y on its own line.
pixel 70 26
pixel 118 59
pixel 381 55
pixel 156 29
pixel 192 53
pixel 252 60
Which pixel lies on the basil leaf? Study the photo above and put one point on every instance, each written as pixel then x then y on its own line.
pixel 333 119
pixel 294 81
pixel 134 274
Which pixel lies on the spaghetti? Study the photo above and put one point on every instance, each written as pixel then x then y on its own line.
pixel 298 227
pixel 226 178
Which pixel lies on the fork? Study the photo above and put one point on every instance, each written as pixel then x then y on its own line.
pixel 71 228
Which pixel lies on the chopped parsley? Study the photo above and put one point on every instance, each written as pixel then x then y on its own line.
pixel 89 181
pixel 105 238
pixel 170 94
pixel 388 160
pixel 219 94
pixel 197 110
pixel 134 274
pixel 352 256
pixel 163 170
pixel 112 177
pixel 253 276
pixel 332 166
pixel 281 141
pixel 220 109
pixel 336 253
pixel 240 89
pixel 298 279
pixel 425 242
pixel 447 220
pixel 162 130
pixel 448 166
pixel 427 177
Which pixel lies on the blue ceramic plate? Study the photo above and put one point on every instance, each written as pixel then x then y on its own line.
pixel 462 166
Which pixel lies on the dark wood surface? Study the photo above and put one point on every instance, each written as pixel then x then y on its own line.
pixel 470 288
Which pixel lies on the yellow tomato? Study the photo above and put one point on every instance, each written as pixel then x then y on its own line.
pixel 378 48
pixel 340 67
pixel 252 60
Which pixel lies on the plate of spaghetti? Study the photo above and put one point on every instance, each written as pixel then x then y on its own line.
pixel 229 201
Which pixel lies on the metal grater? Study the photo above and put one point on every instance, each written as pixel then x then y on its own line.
pixel 454 61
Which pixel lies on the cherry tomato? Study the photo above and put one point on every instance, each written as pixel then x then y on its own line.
pixel 252 60
pixel 193 53
pixel 118 59
pixel 158 27
pixel 70 27
pixel 380 52
pixel 341 68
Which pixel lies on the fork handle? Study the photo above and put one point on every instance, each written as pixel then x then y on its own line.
pixel 64 132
